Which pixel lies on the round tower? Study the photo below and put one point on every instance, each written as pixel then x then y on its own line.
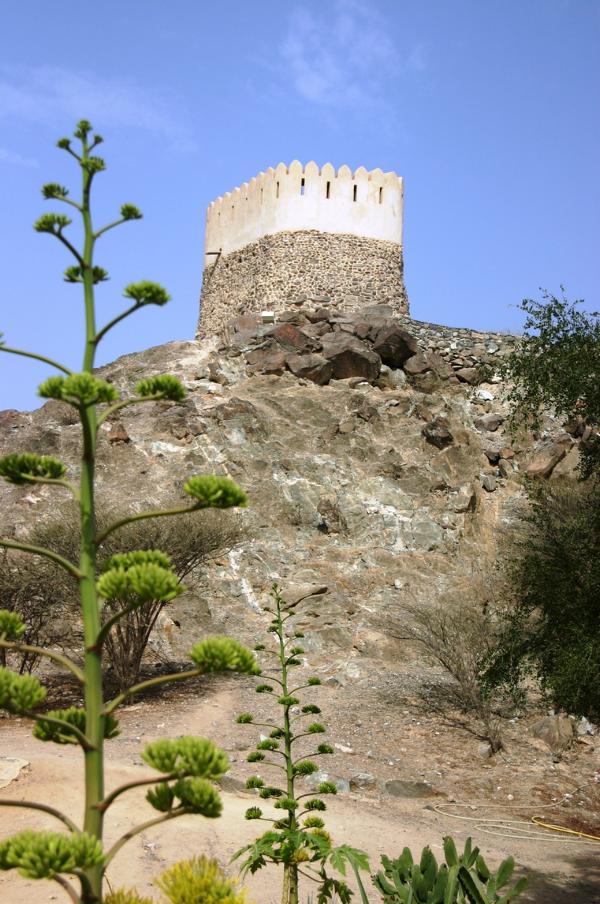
pixel 303 232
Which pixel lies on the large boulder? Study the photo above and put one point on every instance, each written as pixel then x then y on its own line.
pixel 310 367
pixel 436 433
pixel 546 460
pixel 289 336
pixel 267 360
pixel 394 344
pixel 350 357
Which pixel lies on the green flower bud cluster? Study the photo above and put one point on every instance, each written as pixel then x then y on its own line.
pixel 164 387
pixel 130 212
pixel 54 190
pixel 198 881
pixel 49 731
pixel 223 654
pixel 186 756
pixel 146 582
pixel 195 795
pixel 52 222
pixel 11 626
pixel 145 292
pixel 20 694
pixel 74 274
pixel 79 390
pixel 126 896
pixel 43 855
pixel 211 491
pixel 20 468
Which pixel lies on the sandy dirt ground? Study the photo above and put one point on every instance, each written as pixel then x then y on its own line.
pixel 561 870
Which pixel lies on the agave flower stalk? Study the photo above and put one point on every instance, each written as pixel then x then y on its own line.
pixel 299 841
pixel 186 767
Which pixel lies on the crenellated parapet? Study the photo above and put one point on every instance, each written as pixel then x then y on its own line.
pixel 303 230
pixel 297 197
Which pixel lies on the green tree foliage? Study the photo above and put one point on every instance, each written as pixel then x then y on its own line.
pixel 557 365
pixel 298 840
pixel 552 628
pixel 128 581
pixel 552 625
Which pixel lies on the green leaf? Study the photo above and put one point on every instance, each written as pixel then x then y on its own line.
pixel 210 491
pixel 450 851
pixel 505 871
pixel 20 468
pixel 467 883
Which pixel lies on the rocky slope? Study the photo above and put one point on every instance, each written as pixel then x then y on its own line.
pixel 379 470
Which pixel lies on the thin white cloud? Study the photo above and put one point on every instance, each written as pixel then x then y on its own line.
pixel 47 94
pixel 343 55
pixel 16 159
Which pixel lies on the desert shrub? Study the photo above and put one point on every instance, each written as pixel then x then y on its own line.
pixel 458 637
pixel 551 629
pixel 47 598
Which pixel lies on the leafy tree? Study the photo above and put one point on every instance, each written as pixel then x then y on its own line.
pixel 184 768
pixel 557 365
pixel 552 627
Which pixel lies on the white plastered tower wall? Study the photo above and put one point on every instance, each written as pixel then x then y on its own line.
pixel 299 232
pixel 296 198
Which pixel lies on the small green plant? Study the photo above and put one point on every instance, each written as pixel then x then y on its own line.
pixel 463 879
pixel 185 768
pixel 298 839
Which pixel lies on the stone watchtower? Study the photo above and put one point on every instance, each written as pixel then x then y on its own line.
pixel 300 231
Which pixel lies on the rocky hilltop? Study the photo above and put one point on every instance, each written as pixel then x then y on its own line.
pixel 377 464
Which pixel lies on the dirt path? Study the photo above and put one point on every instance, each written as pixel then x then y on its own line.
pixel 560 873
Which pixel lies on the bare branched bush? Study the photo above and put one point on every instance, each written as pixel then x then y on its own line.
pixel 46 597
pixel 459 639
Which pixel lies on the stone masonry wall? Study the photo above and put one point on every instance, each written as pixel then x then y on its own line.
pixel 273 272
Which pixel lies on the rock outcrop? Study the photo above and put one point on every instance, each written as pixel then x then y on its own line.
pixel 378 470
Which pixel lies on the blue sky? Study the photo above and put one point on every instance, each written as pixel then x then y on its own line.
pixel 490 111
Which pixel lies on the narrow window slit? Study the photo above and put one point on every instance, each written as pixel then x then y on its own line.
pixel 302 186
pixel 354 190
pixel 381 196
pixel 277 190
pixel 328 190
